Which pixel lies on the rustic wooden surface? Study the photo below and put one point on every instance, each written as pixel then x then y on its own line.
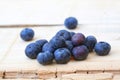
pixel 14 64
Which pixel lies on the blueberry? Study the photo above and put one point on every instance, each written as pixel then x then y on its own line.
pixel 90 42
pixel 45 58
pixel 58 42
pixel 40 43
pixel 78 39
pixel 65 34
pixel 72 33
pixel 80 52
pixel 102 48
pixel 71 22
pixel 48 47
pixel 69 45
pixel 62 56
pixel 32 50
pixel 27 34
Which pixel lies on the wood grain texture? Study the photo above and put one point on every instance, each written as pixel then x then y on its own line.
pixel 14 63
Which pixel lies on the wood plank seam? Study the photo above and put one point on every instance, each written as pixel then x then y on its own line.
pixel 28 25
pixel 34 75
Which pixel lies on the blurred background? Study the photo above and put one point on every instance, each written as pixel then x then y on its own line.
pixel 14 12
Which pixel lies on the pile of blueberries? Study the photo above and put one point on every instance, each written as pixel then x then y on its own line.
pixel 63 46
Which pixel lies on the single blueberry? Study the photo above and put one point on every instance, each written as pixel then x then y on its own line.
pixel 62 56
pixel 90 42
pixel 48 47
pixel 78 39
pixel 69 45
pixel 71 22
pixel 102 48
pixel 80 52
pixel 27 34
pixel 65 34
pixel 58 42
pixel 32 50
pixel 45 58
pixel 40 43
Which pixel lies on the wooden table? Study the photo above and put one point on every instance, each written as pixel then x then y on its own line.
pixel 15 65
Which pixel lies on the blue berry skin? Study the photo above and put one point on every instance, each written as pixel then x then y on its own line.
pixel 65 34
pixel 69 45
pixel 40 43
pixel 78 39
pixel 48 47
pixel 45 58
pixel 72 33
pixel 58 42
pixel 62 56
pixel 90 42
pixel 27 34
pixel 80 52
pixel 102 48
pixel 32 50
pixel 71 22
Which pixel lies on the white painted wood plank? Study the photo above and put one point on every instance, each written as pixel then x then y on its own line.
pixel 7 38
pixel 55 11
pixel 17 58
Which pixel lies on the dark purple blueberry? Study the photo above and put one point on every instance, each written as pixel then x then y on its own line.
pixel 32 50
pixel 65 34
pixel 102 48
pixel 45 58
pixel 58 42
pixel 80 52
pixel 69 45
pixel 71 22
pixel 62 56
pixel 90 42
pixel 27 34
pixel 40 43
pixel 78 39
pixel 48 47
